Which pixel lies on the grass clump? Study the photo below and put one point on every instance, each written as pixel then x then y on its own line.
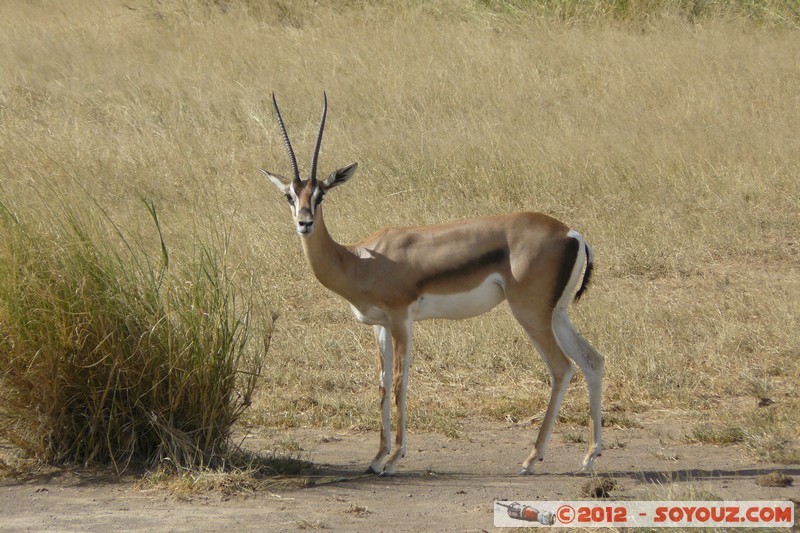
pixel 110 356
pixel 724 435
pixel 245 473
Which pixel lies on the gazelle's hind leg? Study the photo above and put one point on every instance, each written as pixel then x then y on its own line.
pixel 561 371
pixel 581 352
pixel 556 339
pixel 591 364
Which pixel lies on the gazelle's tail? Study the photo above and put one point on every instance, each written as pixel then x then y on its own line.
pixel 587 274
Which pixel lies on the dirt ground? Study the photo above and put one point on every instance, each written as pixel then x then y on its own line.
pixel 443 484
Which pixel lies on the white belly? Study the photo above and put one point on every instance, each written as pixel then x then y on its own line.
pixel 370 315
pixel 460 305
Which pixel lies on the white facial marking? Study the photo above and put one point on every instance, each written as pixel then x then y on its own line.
pixel 314 196
pixel 295 199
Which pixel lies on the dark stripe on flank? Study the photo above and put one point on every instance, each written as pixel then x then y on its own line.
pixel 489 258
pixel 567 264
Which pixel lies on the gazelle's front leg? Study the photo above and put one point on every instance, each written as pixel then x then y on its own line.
pixel 384 338
pixel 401 333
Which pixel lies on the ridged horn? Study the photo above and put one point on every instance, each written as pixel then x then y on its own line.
pixel 319 138
pixel 286 140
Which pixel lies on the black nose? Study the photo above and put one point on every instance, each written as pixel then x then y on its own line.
pixel 305 223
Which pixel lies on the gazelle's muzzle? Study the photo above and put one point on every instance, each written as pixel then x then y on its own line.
pixel 305 221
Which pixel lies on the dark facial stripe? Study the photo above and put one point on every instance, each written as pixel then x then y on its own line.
pixel 489 258
pixel 305 195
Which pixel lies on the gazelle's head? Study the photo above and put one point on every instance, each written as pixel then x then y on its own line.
pixel 305 196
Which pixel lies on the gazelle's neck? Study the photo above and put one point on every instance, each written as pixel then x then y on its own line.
pixel 328 259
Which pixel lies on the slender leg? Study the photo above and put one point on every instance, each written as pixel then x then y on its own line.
pixel 559 343
pixel 384 338
pixel 402 348
pixel 591 364
pixel 561 371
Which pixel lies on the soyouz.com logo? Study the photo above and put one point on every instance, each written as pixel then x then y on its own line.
pixel 644 514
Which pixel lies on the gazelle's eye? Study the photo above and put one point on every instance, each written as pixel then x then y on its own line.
pixel 291 200
pixel 319 198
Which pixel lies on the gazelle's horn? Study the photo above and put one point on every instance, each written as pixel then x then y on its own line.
pixel 319 139
pixel 286 140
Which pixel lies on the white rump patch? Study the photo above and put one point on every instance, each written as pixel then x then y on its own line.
pixel 577 270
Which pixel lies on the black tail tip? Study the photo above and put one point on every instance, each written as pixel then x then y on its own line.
pixel 587 277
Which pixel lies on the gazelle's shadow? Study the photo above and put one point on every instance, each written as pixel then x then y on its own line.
pixel 328 473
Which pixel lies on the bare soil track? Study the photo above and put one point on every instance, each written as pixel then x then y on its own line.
pixel 443 485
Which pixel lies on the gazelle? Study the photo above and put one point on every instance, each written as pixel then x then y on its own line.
pixel 459 270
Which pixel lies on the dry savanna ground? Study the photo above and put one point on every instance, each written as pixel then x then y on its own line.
pixel 670 141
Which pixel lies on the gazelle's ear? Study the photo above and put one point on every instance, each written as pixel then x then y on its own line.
pixel 279 181
pixel 340 176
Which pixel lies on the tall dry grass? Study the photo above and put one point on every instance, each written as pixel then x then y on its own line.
pixel 666 132
pixel 109 355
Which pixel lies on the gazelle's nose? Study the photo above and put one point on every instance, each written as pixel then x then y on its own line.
pixel 305 225
pixel 305 221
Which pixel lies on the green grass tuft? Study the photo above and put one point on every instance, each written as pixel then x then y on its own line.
pixel 110 356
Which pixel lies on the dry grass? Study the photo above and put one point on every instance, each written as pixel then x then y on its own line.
pixel 244 475
pixel 109 355
pixel 668 137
